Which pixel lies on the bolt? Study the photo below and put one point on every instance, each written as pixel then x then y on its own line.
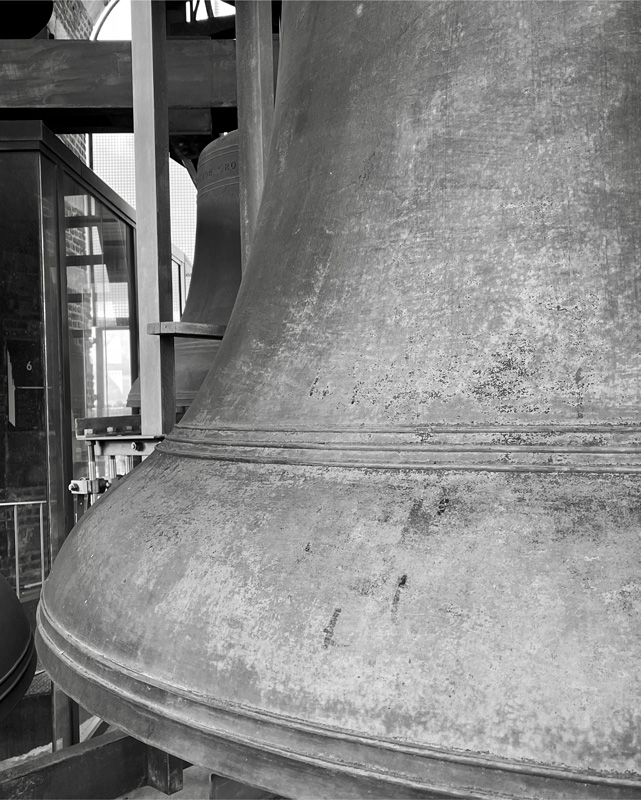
pixel 136 446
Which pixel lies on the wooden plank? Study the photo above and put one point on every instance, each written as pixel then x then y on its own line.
pixel 108 766
pixel 65 719
pixel 185 124
pixel 153 243
pixel 226 789
pixel 92 728
pixel 189 120
pixel 164 771
pixel 187 329
pixel 40 74
pixel 255 77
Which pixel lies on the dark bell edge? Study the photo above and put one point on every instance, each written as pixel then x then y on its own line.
pixel 85 674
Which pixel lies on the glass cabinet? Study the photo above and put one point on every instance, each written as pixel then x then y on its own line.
pixel 67 335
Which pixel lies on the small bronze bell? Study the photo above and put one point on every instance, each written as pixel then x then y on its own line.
pixel 216 272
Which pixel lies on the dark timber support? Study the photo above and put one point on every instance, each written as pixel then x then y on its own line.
pixel 255 88
pixel 82 75
pixel 164 771
pixel 153 243
pixel 65 719
pixel 105 767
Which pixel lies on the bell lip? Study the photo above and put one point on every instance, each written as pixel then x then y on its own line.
pixel 15 683
pixel 203 730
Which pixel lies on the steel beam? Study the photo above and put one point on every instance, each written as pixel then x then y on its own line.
pixel 153 242
pixel 255 76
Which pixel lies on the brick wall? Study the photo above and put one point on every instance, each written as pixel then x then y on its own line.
pixel 74 19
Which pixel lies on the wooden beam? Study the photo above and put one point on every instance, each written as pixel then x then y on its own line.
pixel 153 242
pixel 187 329
pixel 108 766
pixel 186 125
pixel 44 75
pixel 191 168
pixel 65 719
pixel 164 771
pixel 255 77
pixel 226 789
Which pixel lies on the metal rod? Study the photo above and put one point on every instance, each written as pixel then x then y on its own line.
pixel 92 471
pixel 153 243
pixel 13 503
pixel 42 544
pixel 255 77
pixel 17 548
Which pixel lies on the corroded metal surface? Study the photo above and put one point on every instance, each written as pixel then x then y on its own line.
pixel 393 545
pixel 216 272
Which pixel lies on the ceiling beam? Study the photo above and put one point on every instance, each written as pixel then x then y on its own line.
pixel 78 74
pixel 82 85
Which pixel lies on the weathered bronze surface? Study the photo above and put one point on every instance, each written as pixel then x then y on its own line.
pixel 392 549
pixel 216 271
pixel 17 651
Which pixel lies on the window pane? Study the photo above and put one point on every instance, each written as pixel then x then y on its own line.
pixel 23 455
pixel 99 283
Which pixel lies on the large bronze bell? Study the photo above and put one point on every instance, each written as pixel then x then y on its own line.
pixel 216 273
pixel 17 651
pixel 392 549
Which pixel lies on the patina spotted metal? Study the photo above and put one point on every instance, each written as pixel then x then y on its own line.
pixel 392 550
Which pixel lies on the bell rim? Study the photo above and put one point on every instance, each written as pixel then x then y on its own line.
pixel 65 656
pixel 16 683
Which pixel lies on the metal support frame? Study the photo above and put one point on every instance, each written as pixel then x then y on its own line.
pixel 164 771
pixel 153 238
pixel 65 719
pixel 108 766
pixel 255 93
pixel 15 504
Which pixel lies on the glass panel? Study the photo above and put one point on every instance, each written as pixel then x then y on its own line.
pixel 99 313
pixel 23 460
pixel 58 515
pixel 181 269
